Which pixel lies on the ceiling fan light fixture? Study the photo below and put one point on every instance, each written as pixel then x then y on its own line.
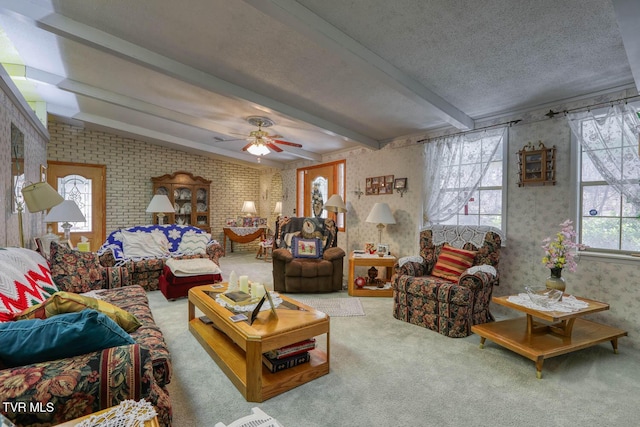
pixel 258 149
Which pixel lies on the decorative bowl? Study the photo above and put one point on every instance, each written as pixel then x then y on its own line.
pixel 542 296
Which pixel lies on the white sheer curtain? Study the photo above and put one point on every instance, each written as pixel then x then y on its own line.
pixel 611 142
pixel 454 167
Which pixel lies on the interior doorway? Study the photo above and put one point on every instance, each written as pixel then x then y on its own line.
pixel 316 184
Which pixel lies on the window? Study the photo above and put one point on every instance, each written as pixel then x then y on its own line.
pixel 609 212
pixel 467 185
pixel 316 184
pixel 78 189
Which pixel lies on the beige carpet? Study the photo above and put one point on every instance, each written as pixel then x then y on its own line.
pixel 385 372
pixel 335 307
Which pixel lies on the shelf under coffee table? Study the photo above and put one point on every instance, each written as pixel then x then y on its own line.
pixel 565 332
pixel 237 348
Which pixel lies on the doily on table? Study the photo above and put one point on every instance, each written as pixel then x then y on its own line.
pixel 568 304
pixel 128 413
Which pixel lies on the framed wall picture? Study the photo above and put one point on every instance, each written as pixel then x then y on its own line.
pixel 231 222
pixel 379 185
pixel 400 183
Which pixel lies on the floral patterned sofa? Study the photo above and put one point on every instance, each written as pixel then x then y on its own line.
pixel 184 241
pixel 448 305
pixel 70 387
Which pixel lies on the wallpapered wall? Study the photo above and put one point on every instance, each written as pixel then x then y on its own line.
pixel 533 213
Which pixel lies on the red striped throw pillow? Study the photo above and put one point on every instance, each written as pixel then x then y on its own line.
pixel 452 262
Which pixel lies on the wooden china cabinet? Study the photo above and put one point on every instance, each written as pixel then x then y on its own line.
pixel 190 196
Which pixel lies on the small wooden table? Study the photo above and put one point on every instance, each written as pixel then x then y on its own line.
pixel 367 260
pixel 537 341
pixel 241 235
pixel 237 348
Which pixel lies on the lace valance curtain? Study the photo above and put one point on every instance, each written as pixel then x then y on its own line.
pixel 611 142
pixel 454 167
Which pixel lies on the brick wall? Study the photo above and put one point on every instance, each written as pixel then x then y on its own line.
pixel 35 144
pixel 131 163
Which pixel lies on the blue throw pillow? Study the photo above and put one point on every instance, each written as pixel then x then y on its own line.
pixel 306 248
pixel 65 335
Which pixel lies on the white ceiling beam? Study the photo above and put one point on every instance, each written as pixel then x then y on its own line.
pixel 135 104
pixel 628 17
pixel 67 28
pixel 128 102
pixel 145 134
pixel 294 15
pixel 304 154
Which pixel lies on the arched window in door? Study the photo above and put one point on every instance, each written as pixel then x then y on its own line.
pixel 319 195
pixel 78 189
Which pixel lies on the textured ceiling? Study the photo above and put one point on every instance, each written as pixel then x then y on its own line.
pixel 331 74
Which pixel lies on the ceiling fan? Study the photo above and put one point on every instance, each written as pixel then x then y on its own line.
pixel 260 142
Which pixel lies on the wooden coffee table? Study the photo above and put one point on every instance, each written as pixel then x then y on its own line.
pixel 566 332
pixel 237 347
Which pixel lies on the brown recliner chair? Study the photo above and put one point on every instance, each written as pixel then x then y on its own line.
pixel 306 259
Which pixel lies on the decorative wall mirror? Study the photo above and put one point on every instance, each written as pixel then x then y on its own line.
pixel 17 167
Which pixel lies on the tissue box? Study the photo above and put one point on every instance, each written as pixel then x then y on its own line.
pixel 83 246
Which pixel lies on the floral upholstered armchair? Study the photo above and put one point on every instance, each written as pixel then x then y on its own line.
pixel 448 287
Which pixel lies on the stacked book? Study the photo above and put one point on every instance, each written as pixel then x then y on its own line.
pixel 236 298
pixel 288 356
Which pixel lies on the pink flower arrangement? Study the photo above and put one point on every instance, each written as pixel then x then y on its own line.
pixel 560 252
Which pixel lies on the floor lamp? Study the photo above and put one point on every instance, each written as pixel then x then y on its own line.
pixel 38 197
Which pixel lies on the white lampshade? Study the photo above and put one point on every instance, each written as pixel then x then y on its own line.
pixel 278 208
pixel 40 197
pixel 335 204
pixel 380 214
pixel 160 203
pixel 249 208
pixel 66 212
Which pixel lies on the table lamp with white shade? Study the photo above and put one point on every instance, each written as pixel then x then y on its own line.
pixel 380 214
pixel 249 208
pixel 66 212
pixel 278 210
pixel 160 204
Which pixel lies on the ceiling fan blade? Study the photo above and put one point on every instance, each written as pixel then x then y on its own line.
pixel 274 147
pixel 292 144
pixel 247 146
pixel 233 140
pixel 274 136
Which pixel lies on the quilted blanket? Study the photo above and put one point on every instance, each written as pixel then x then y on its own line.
pixel 173 232
pixel 192 267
